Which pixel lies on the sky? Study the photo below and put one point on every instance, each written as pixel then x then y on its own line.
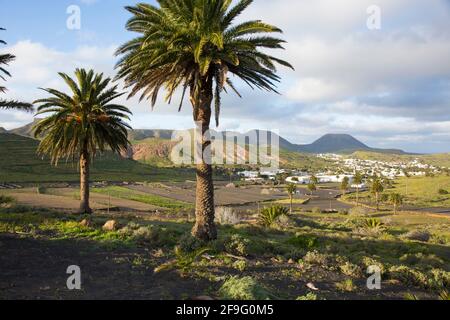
pixel 387 85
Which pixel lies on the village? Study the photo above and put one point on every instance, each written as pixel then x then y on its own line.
pixel 345 168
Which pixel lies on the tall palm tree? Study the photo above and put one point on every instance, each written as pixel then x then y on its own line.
pixel 345 185
pixel 357 180
pixel 377 188
pixel 5 59
pixel 291 190
pixel 194 45
pixel 82 124
pixel 397 200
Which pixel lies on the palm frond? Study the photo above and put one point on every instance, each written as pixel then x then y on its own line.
pixel 186 43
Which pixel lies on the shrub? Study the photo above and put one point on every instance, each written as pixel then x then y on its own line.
pixel 369 261
pixel 237 244
pixel 268 216
pixel 373 223
pixel 439 278
pixel 343 212
pixel 183 261
pixel 443 192
pixel 284 221
pixel 303 241
pixel 359 211
pixel 6 199
pixel 227 216
pixel 318 259
pixel 422 259
pixel 370 228
pixel 351 270
pixel 188 243
pixel 40 189
pixel 240 265
pixel 316 210
pixel 309 296
pixel 346 285
pixel 149 234
pixel 417 235
pixel 245 288
pixel 408 276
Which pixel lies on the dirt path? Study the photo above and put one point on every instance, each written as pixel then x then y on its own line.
pixel 63 199
pixel 36 269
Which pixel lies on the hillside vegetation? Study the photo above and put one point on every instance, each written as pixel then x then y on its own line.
pixel 19 163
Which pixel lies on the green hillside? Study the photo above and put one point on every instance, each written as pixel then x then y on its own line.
pixel 19 163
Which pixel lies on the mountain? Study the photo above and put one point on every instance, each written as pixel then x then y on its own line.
pixel 26 130
pixel 329 143
pixel 341 143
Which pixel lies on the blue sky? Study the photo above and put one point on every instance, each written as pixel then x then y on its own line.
pixel 389 87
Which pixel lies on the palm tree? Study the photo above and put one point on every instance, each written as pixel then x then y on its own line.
pixel 5 59
pixel 377 188
pixel 345 184
pixel 357 179
pixel 312 187
pixel 194 45
pixel 396 200
pixel 82 124
pixel 291 190
pixel 314 179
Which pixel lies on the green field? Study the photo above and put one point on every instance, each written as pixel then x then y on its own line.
pixel 417 191
pixel 125 193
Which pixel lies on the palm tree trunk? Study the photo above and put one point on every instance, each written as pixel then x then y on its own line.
pixel 84 183
pixel 204 228
pixel 290 211
pixel 378 202
pixel 357 197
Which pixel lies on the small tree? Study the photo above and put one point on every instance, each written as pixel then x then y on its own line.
pixel 312 187
pixel 396 200
pixel 345 184
pixel 376 189
pixel 291 190
pixel 357 179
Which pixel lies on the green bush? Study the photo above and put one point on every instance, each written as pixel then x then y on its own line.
pixel 372 223
pixel 188 243
pixel 359 211
pixel 408 276
pixel 430 260
pixel 308 296
pixel 323 260
pixel 443 192
pixel 302 241
pixel 346 286
pixel 240 265
pixel 237 245
pixel 351 270
pixel 245 288
pixel 6 199
pixel 269 216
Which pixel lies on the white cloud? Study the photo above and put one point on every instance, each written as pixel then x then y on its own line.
pixel 384 86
